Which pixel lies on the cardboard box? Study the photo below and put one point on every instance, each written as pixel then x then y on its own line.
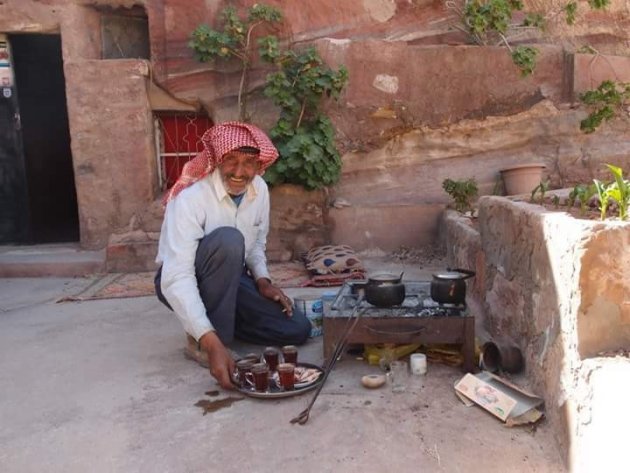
pixel 508 402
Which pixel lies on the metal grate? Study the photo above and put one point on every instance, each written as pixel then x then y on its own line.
pixel 178 141
pixel 417 303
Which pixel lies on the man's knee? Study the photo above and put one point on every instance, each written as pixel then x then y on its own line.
pixel 226 242
pixel 302 330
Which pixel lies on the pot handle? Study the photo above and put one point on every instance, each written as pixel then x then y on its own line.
pixel 467 272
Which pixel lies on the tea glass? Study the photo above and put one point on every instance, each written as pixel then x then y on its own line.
pixel 286 376
pixel 290 354
pixel 271 357
pixel 242 368
pixel 260 375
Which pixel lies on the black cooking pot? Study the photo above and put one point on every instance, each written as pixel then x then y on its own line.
pixel 449 287
pixel 385 290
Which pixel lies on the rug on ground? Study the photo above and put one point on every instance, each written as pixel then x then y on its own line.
pixel 121 285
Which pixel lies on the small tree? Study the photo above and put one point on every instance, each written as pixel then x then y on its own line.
pixel 303 135
pixel 235 40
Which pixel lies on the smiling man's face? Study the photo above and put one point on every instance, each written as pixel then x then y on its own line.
pixel 237 170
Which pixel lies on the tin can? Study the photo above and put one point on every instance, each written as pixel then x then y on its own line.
pixel 313 308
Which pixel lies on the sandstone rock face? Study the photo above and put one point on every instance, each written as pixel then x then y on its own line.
pixel 404 177
pixel 558 288
pixel 298 222
pixel 422 104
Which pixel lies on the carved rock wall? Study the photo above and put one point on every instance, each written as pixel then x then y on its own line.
pixel 414 111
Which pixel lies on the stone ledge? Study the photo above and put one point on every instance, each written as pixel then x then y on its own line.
pixel 385 227
pixel 62 260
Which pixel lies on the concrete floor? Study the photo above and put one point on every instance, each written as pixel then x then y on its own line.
pixel 103 386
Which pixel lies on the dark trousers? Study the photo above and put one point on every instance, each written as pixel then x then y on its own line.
pixel 229 293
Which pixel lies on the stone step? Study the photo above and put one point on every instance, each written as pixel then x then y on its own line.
pixel 56 260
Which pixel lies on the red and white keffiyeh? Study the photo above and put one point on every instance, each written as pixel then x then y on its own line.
pixel 218 141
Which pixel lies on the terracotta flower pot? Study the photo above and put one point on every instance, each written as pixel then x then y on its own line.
pixel 522 179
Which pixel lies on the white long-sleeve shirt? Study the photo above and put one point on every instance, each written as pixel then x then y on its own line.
pixel 194 213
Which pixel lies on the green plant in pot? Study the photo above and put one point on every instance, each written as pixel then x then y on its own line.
pixel 463 193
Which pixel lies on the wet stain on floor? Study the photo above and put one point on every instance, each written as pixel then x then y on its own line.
pixel 213 406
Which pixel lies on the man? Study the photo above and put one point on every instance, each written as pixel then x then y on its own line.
pixel 212 249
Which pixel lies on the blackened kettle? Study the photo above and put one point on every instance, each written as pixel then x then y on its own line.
pixel 449 287
pixel 385 290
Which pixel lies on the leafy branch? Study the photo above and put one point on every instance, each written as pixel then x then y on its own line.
pixel 606 101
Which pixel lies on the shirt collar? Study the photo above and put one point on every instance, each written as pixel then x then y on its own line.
pixel 219 187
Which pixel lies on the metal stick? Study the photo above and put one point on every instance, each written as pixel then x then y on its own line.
pixel 303 416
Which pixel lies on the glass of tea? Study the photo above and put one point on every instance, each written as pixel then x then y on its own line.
pixel 271 357
pixel 290 354
pixel 242 368
pixel 286 376
pixel 260 375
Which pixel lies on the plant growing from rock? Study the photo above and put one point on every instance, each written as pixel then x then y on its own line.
pixel 491 22
pixel 303 135
pixel 609 99
pixel 463 192
pixel 235 40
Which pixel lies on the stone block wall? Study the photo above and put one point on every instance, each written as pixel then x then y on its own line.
pixel 558 288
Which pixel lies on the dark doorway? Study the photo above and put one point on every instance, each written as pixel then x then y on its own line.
pixel 13 208
pixel 41 97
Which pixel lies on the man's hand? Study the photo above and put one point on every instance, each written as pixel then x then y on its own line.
pixel 274 293
pixel 221 362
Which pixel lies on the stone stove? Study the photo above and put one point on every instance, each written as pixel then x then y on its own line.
pixel 418 319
